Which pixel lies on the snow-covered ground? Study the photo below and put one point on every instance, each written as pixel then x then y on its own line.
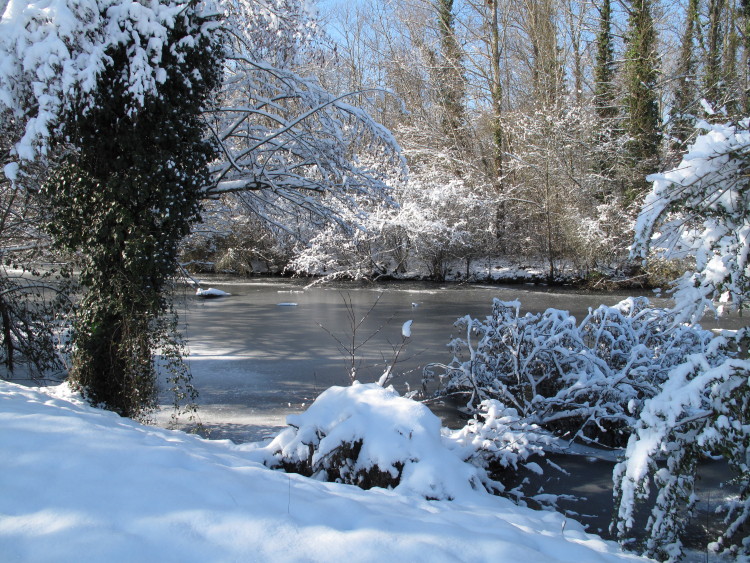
pixel 81 484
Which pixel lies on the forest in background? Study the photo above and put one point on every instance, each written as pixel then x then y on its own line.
pixel 527 128
pixel 127 126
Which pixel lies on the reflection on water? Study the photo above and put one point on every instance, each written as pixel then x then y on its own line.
pixel 255 358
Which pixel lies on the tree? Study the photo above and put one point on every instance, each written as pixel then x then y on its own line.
pixel 699 209
pixel 682 114
pixel 288 147
pixel 451 88
pixel 641 105
pixel 604 70
pixel 547 72
pixel 714 82
pixel 126 200
pixel 284 143
pixel 497 100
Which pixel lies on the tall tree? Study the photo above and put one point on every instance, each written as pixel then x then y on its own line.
pixel 604 69
pixel 496 93
pixel 641 73
pixel 683 114
pixel 714 83
pixel 744 24
pixel 451 87
pixel 125 200
pixel 547 71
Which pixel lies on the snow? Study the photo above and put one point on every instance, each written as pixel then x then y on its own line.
pixel 82 484
pixel 211 292
pixel 406 328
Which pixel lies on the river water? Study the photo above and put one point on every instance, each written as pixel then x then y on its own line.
pixel 268 349
pixel 273 345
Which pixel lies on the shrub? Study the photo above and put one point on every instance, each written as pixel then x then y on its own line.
pixel 584 381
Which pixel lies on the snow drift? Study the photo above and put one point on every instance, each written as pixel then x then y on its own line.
pixel 81 484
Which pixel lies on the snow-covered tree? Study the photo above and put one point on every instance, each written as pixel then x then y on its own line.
pixel 284 141
pixel 143 73
pixel 698 210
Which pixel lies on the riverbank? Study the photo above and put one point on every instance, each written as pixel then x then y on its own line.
pixel 86 485
pixel 485 270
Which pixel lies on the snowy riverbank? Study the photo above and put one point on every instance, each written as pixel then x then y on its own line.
pixel 86 485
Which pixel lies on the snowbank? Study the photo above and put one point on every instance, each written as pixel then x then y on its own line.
pixel 80 484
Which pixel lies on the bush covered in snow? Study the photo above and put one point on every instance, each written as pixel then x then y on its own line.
pixel 369 436
pixel 702 410
pixel 508 448
pixel 583 380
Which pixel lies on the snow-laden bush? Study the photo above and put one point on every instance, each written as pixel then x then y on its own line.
pixel 499 441
pixel 582 380
pixel 369 436
pixel 701 410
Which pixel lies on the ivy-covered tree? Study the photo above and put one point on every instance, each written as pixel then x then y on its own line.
pixel 451 88
pixel 642 109
pixel 714 81
pixel 683 112
pixel 123 198
pixel 604 69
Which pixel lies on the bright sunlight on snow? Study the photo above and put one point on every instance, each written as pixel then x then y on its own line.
pixel 82 484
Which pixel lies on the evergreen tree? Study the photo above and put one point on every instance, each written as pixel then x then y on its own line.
pixel 641 105
pixel 682 116
pixel 123 199
pixel 604 71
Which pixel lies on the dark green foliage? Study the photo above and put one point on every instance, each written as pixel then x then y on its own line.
pixel 451 87
pixel 604 71
pixel 682 115
pixel 641 75
pixel 123 200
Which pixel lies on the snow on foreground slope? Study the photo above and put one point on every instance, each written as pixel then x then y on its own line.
pixel 81 484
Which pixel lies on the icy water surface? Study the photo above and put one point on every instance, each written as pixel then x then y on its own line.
pixel 269 348
pixel 272 346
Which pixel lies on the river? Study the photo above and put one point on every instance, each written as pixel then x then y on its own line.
pixel 268 349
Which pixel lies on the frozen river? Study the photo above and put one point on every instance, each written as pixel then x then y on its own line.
pixel 269 348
